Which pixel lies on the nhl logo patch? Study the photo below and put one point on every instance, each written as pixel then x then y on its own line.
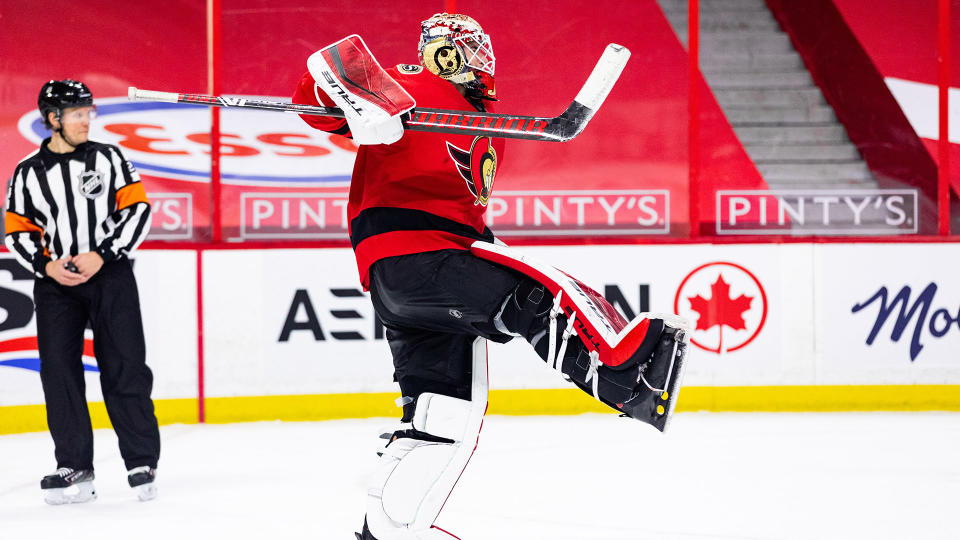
pixel 409 68
pixel 91 184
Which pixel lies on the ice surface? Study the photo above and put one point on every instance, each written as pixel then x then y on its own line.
pixel 713 476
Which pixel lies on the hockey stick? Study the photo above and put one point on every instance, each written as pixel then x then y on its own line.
pixel 560 128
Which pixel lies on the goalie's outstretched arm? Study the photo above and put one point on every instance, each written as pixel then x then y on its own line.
pixel 307 93
pixel 372 102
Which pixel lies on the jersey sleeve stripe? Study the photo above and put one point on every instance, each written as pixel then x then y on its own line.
pixel 14 222
pixel 130 195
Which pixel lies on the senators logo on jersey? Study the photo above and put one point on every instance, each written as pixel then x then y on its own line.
pixel 477 167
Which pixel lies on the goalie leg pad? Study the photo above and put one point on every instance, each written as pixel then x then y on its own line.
pixel 635 367
pixel 420 466
pixel 529 312
pixel 618 343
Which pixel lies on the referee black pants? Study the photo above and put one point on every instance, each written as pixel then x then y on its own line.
pixel 109 301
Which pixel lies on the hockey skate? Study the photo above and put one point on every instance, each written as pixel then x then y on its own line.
pixel 646 387
pixel 141 479
pixel 434 533
pixel 658 380
pixel 68 486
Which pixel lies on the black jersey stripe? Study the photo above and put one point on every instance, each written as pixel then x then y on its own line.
pixel 19 244
pixel 127 177
pixel 142 221
pixel 378 220
pixel 54 208
pixel 91 165
pixel 112 192
pixel 71 207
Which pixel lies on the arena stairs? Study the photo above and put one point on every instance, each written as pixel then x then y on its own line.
pixel 780 116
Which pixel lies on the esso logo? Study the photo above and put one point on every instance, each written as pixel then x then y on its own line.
pixel 172 140
pixel 727 303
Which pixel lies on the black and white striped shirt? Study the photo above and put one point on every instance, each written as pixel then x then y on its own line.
pixel 90 199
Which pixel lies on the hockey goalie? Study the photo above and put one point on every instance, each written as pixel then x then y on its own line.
pixel 442 285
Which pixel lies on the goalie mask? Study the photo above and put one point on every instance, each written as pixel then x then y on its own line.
pixel 454 47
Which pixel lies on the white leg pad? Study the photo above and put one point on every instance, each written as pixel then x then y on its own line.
pixel 414 477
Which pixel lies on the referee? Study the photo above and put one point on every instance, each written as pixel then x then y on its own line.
pixel 75 211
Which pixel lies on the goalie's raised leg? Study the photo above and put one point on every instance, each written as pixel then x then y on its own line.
pixel 636 367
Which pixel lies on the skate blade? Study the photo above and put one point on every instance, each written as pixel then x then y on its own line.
pixel 77 493
pixel 146 492
pixel 673 390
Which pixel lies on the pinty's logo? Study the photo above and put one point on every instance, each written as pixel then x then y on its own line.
pixel 728 304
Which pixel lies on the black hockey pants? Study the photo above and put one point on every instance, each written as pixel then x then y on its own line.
pixel 434 305
pixel 109 301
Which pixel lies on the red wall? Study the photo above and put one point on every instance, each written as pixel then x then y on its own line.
pixel 108 45
pixel 901 39
pixel 638 140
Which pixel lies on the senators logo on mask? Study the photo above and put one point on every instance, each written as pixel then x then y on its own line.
pixel 477 167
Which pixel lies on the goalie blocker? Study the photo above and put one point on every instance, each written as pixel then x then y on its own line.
pixel 634 367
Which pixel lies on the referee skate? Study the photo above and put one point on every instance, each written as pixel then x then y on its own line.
pixel 67 486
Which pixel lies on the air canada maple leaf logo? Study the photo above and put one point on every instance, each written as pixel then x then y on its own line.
pixel 720 309
pixel 728 303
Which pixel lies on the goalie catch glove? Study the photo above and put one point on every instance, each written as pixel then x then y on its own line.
pixel 371 100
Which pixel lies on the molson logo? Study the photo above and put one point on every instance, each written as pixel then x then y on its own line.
pixel 902 309
pixel 172 141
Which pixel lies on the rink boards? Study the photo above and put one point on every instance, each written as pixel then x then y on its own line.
pixel 289 334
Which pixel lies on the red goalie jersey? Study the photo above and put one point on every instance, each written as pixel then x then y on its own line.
pixel 427 191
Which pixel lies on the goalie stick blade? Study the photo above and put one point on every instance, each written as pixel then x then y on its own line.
pixel 592 95
pixel 603 76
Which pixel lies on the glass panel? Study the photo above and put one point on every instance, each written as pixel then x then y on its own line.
pixel 834 116
pixel 282 179
pixel 625 175
pixel 954 169
pixel 160 139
